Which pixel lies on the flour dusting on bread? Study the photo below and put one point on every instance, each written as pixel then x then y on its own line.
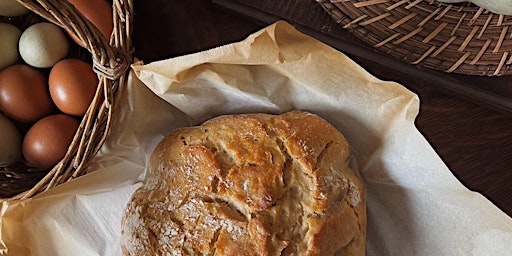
pixel 252 184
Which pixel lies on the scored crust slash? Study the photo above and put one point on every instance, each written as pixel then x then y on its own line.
pixel 249 184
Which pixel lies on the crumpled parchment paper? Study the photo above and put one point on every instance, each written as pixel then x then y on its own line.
pixel 415 205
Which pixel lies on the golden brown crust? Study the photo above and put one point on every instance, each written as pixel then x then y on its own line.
pixel 254 184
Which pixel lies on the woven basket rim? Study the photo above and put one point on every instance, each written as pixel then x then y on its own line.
pixel 111 60
pixel 451 37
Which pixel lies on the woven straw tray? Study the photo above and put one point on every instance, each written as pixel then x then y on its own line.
pixel 110 59
pixel 311 18
pixel 460 38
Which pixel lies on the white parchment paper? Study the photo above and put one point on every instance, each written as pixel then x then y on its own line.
pixel 415 205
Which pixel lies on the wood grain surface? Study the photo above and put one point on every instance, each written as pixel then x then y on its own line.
pixel 472 137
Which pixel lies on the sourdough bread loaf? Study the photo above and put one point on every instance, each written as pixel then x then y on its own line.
pixel 253 184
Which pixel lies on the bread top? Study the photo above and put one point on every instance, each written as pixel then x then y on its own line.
pixel 253 184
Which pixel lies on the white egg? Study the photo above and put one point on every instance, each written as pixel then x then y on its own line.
pixel 10 141
pixel 43 44
pixel 497 6
pixel 9 36
pixel 11 8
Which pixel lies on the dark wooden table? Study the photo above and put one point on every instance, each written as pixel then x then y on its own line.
pixel 472 137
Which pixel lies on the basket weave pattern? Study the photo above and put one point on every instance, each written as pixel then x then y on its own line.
pixel 459 38
pixel 111 59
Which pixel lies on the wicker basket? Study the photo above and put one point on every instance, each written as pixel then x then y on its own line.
pixel 460 38
pixel 110 59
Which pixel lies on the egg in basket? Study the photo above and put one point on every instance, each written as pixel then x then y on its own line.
pixel 62 66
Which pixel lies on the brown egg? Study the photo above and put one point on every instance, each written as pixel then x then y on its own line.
pixel 99 13
pixel 47 141
pixel 24 93
pixel 72 86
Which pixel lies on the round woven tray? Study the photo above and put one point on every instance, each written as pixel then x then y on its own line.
pixel 460 38
pixel 110 58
